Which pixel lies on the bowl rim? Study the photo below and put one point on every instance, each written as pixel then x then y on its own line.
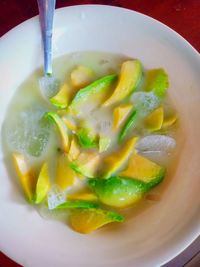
pixel 6 35
pixel 191 235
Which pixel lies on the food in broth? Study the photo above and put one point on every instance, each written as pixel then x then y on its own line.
pixel 99 144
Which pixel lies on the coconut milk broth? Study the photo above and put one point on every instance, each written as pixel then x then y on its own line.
pixel 29 95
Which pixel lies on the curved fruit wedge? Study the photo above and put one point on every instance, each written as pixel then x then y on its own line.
pixel 62 98
pixel 130 76
pixel 88 220
pixel 116 191
pixel 74 149
pixel 69 123
pixel 52 116
pixel 119 114
pixel 77 204
pixel 116 160
pixel 157 81
pixel 88 196
pixel 65 176
pixel 128 125
pixel 169 120
pixel 99 87
pixel 87 138
pixel 145 170
pixel 154 120
pixel 43 184
pixel 86 164
pixel 104 143
pixel 25 175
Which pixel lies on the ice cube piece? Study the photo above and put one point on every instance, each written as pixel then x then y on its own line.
pixel 105 126
pixel 145 102
pixel 55 197
pixel 156 143
pixel 49 86
pixel 28 132
pixel 48 214
pixel 162 158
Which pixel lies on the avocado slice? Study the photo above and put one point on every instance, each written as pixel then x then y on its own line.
pixel 87 138
pixel 97 88
pixel 72 204
pixel 115 161
pixel 104 143
pixel 117 191
pixel 156 84
pixel 83 195
pixel 70 123
pixel 144 103
pixel 144 170
pixel 169 120
pixel 52 116
pixel 154 121
pixel 65 176
pixel 88 220
pixel 119 114
pixel 25 174
pixel 74 149
pixel 62 98
pixel 128 125
pixel 130 76
pixel 43 184
pixel 157 81
pixel 86 164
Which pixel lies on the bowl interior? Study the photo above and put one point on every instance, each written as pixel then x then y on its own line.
pixel 158 233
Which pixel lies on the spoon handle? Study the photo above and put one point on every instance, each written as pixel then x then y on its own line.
pixel 46 13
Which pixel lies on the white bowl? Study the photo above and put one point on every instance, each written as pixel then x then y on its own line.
pixel 155 235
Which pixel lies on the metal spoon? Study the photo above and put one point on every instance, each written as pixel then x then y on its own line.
pixel 48 83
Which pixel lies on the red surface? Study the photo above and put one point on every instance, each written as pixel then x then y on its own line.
pixel 180 15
